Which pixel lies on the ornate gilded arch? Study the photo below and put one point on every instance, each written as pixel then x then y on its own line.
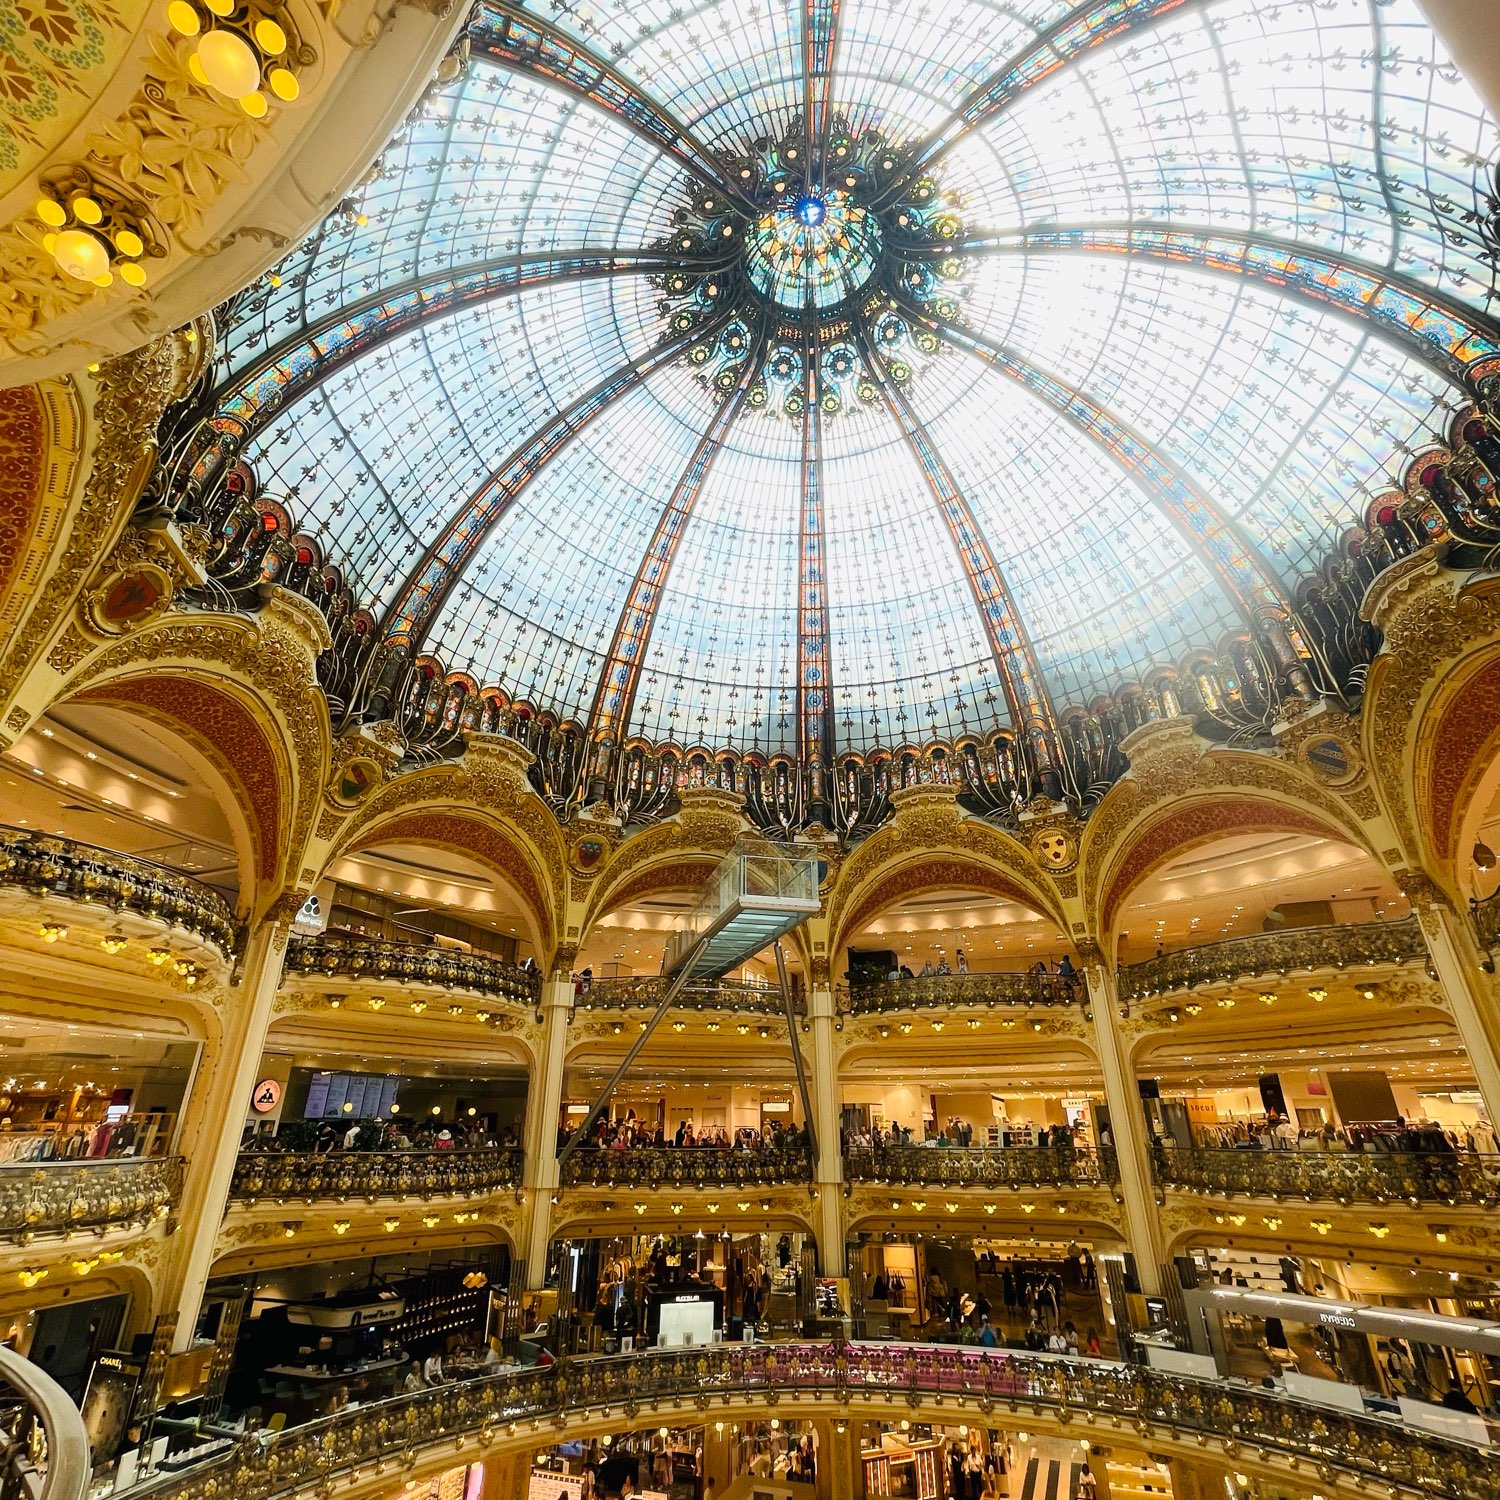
pixel 244 694
pixel 476 835
pixel 1179 794
pixel 931 842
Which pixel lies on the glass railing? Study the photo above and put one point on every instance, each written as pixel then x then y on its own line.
pixel 749 880
pixel 954 990
pixel 1155 1409
pixel 982 1166
pixel 57 1197
pixel 684 1167
pixel 383 962
pixel 50 866
pixel 1301 949
pixel 373 1174
pixel 1417 1177
pixel 1487 921
pixel 44 1446
pixel 640 992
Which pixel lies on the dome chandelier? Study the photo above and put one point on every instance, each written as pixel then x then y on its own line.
pixel 813 281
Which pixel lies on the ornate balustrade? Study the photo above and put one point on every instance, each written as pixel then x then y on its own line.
pixel 684 1167
pixel 375 959
pixel 339 1175
pixel 112 1193
pixel 1461 1178
pixel 975 1166
pixel 949 991
pixel 49 866
pixel 644 993
pixel 1281 953
pixel 1362 1449
pixel 1487 921
pixel 44 1446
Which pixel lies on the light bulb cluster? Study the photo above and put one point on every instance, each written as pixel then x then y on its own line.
pixel 52 932
pixel 239 51
pixel 90 234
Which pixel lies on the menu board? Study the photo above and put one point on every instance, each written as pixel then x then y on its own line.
pixel 547 1484
pixel 366 1094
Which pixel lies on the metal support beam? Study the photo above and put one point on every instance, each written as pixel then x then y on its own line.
pixel 674 988
pixel 791 1036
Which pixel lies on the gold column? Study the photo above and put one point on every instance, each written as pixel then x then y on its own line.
pixel 543 1109
pixel 217 1110
pixel 1127 1123
pixel 1454 951
pixel 838 1458
pixel 828 1169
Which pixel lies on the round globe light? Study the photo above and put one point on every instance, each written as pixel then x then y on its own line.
pixel 81 255
pixel 229 64
pixel 128 242
pixel 284 84
pixel 51 213
pixel 254 104
pixel 183 18
pixel 269 37
pixel 133 273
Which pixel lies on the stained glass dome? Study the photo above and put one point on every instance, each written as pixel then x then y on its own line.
pixel 842 374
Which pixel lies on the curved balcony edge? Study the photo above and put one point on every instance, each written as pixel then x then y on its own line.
pixel 684 1167
pixel 1302 950
pixel 41 1198
pixel 1451 1178
pixel 955 991
pixel 261 1176
pixel 983 1167
pixel 644 993
pixel 44 1446
pixel 841 1378
pixel 52 866
pixel 379 961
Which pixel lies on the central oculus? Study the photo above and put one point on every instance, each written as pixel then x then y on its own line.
pixel 814 252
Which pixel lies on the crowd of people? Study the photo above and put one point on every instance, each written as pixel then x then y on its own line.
pixel 397 1134
pixel 963 1135
pixel 630 1133
pixel 1063 970
pixel 1276 1132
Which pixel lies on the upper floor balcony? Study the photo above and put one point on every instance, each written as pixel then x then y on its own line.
pixel 353 959
pixel 957 991
pixel 337 1176
pixel 629 992
pixel 112 1193
pixel 982 1166
pixel 1451 1178
pixel 685 1167
pixel 1487 921
pixel 1299 949
pixel 60 869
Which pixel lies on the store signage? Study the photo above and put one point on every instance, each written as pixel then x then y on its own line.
pixel 265 1096
pixel 311 918
pixel 1337 1320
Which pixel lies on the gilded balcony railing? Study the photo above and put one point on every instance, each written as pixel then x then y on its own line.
pixel 1455 1178
pixel 645 993
pixel 1377 1451
pixel 684 1167
pixel 1487 921
pixel 982 1166
pixel 49 866
pixel 44 1446
pixel 39 1198
pixel 1310 949
pixel 339 1175
pixel 946 991
pixel 375 959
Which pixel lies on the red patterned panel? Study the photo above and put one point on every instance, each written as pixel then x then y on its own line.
pixel 230 735
pixel 1462 746
pixel 1185 826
